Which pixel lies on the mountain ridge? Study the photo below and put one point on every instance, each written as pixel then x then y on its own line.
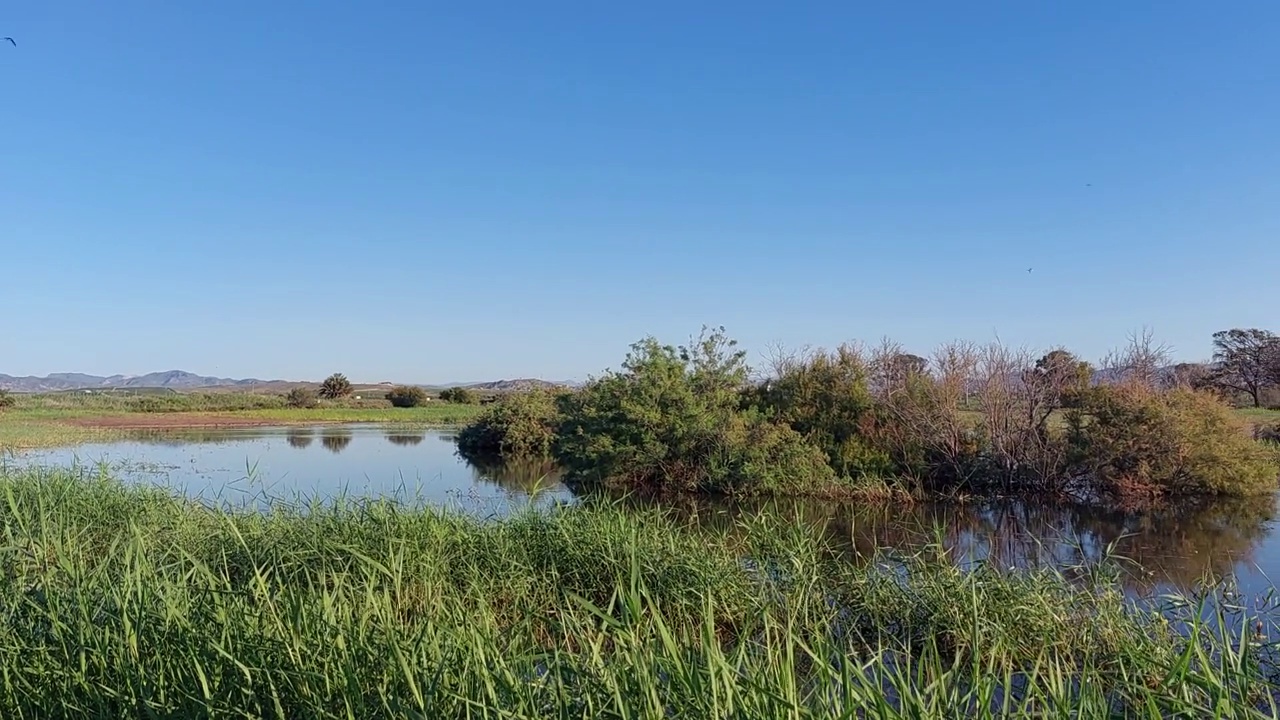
pixel 184 380
pixel 174 379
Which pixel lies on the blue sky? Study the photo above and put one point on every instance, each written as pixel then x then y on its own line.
pixel 432 192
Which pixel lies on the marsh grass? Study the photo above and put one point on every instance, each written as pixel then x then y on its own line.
pixel 19 431
pixel 33 424
pixel 130 602
pixel 108 401
pixel 73 404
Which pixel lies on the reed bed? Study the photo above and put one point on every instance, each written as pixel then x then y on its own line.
pixel 122 601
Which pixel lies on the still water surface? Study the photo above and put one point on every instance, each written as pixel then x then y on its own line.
pixel 250 466
pixel 1168 550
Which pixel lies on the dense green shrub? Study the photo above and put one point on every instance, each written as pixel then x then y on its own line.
pixel 518 425
pixel 406 396
pixel 301 397
pixel 1058 380
pixel 335 386
pixel 825 397
pixel 672 420
pixel 460 396
pixel 6 399
pixel 1131 441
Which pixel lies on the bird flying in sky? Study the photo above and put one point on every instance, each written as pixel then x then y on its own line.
pixel 11 41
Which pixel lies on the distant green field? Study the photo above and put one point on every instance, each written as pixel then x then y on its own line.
pixel 66 419
pixel 1260 414
pixel 434 414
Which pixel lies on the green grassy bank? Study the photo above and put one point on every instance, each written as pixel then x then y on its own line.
pixel 1268 416
pixel 121 602
pixel 66 419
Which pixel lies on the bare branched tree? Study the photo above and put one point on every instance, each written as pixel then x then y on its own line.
pixel 1002 400
pixel 892 368
pixel 1141 361
pixel 1016 399
pixel 953 434
pixel 880 359
pixel 927 426
pixel 776 358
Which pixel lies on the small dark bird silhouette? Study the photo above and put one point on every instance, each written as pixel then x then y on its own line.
pixel 1088 184
pixel 11 41
pixel 1030 269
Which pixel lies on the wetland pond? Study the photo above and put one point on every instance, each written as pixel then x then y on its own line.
pixel 1171 549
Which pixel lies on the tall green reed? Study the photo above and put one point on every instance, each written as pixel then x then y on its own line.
pixel 129 602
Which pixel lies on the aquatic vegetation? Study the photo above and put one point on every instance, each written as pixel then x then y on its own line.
pixel 126 601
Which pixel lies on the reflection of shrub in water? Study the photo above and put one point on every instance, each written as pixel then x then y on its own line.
pixel 299 438
pixel 178 437
pixel 1174 545
pixel 1178 545
pixel 335 441
pixel 403 438
pixel 525 476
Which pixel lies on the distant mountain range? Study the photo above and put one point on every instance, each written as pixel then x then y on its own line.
pixel 183 380
pixel 174 379
pixel 519 385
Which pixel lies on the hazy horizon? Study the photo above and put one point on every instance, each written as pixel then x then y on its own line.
pixel 401 192
pixel 756 359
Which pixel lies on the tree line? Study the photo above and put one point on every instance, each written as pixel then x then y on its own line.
pixel 338 387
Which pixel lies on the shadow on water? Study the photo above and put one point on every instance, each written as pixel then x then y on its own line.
pixel 300 438
pixel 335 440
pixel 405 439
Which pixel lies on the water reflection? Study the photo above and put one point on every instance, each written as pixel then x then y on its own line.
pixel 188 436
pixel 335 440
pixel 403 438
pixel 254 466
pixel 1171 548
pixel 530 477
pixel 299 438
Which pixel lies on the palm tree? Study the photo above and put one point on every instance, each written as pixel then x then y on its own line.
pixel 335 386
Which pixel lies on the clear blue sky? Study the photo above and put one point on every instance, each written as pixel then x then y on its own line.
pixel 431 192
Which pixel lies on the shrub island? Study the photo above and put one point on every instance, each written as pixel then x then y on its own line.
pixel 971 420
